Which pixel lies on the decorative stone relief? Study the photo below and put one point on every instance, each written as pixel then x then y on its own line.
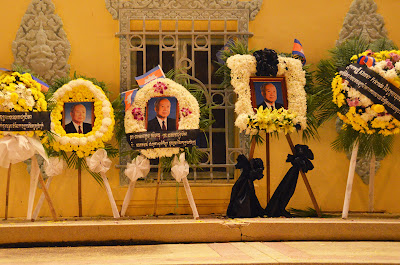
pixel 363 20
pixel 41 43
pixel 114 6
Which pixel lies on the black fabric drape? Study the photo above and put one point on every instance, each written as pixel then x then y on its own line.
pixel 244 202
pixel 281 197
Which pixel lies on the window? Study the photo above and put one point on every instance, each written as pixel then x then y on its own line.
pixel 188 41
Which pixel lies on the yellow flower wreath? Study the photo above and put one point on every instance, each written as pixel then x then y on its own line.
pixel 81 90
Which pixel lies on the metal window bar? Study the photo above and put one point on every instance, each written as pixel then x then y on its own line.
pixel 219 38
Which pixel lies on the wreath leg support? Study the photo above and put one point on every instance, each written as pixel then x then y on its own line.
pixel 32 188
pixel 128 197
pixel 7 191
pixel 41 200
pixel 110 196
pixel 157 188
pixel 350 179
pixel 190 198
pixel 47 196
pixel 371 184
pixel 268 157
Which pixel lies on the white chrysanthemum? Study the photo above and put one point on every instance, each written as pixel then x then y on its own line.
pixel 243 66
pixel 185 101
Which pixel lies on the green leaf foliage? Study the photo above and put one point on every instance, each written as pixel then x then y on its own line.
pixel 324 109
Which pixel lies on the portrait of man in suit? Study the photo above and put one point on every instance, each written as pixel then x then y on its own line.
pixel 162 121
pixel 269 96
pixel 78 118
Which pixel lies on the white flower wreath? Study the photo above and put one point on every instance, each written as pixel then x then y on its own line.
pixel 244 66
pixel 81 90
pixel 189 111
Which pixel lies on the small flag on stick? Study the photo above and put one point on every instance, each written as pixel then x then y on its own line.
pixel 298 50
pixel 225 48
pixel 128 97
pixel 367 60
pixel 154 73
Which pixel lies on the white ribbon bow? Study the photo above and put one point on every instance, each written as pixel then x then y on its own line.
pixel 54 167
pixel 138 168
pixel 180 167
pixel 18 148
pixel 99 162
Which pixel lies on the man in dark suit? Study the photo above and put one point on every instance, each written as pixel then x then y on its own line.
pixel 78 115
pixel 268 91
pixel 161 122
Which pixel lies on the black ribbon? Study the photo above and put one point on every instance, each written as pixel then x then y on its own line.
pixel 282 195
pixel 244 202
pixel 373 86
pixel 25 121
pixel 267 62
pixel 162 139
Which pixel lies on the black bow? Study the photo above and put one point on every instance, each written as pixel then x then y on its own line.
pixel 284 192
pixel 267 62
pixel 301 158
pixel 244 202
pixel 254 167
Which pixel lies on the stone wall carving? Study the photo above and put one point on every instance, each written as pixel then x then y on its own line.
pixel 363 20
pixel 41 43
pixel 114 6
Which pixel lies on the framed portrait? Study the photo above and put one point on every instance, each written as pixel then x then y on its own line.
pixel 268 92
pixel 78 117
pixel 162 114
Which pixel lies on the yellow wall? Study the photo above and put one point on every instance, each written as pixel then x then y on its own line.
pixel 95 52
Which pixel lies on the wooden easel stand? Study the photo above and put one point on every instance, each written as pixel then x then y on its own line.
pixel 268 165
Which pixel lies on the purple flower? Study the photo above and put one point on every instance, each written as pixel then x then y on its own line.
pixel 159 87
pixel 369 52
pixel 353 102
pixel 389 64
pixel 395 57
pixel 186 112
pixel 137 114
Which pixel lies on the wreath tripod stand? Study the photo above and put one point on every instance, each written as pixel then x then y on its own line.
pixel 268 168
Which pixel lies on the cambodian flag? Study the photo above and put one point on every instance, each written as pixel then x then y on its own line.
pixel 367 60
pixel 219 54
pixel 128 97
pixel 298 50
pixel 44 87
pixel 154 73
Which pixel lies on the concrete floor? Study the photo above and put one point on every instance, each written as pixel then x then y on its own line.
pixel 365 239
pixel 317 252
pixel 109 231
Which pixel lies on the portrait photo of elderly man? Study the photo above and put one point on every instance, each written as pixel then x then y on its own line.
pixel 269 96
pixel 165 115
pixel 78 115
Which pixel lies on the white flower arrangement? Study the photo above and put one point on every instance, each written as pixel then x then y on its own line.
pixel 244 66
pixel 81 90
pixel 189 111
